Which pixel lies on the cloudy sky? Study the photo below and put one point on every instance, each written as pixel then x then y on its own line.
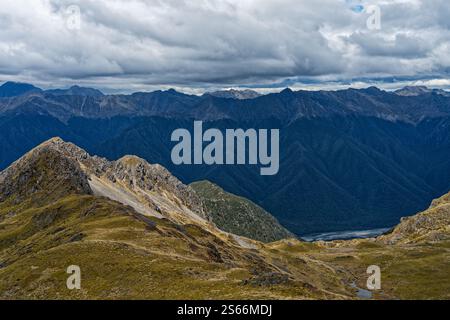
pixel 197 45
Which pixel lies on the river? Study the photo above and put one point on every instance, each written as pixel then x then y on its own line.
pixel 345 235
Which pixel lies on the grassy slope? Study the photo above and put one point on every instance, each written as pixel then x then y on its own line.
pixel 238 215
pixel 407 271
pixel 122 256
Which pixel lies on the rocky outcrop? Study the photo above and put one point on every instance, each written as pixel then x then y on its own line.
pixel 414 91
pixel 235 94
pixel 150 189
pixel 138 174
pixel 43 174
pixel 431 225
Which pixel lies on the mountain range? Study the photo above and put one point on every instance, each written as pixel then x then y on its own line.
pixel 350 159
pixel 137 232
pixel 235 94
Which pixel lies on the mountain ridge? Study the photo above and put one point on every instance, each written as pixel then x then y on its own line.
pixel 150 189
pixel 235 94
pixel 286 105
pixel 12 89
pixel 52 218
pixel 76 91
pixel 135 175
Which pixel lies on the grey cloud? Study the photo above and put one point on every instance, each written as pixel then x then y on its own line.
pixel 406 46
pixel 219 43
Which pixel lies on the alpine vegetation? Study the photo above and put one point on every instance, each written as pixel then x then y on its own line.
pixel 238 147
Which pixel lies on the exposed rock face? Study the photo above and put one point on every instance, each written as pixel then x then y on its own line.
pixel 129 180
pixel 235 94
pixel 91 164
pixel 444 200
pixel 43 174
pixel 139 173
pixel 414 91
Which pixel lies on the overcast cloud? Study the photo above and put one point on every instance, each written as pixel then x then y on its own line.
pixel 202 44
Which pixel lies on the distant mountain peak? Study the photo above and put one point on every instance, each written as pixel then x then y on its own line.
pixel 410 91
pixel 287 91
pixel 235 94
pixel 14 89
pixel 373 89
pixel 413 91
pixel 76 91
